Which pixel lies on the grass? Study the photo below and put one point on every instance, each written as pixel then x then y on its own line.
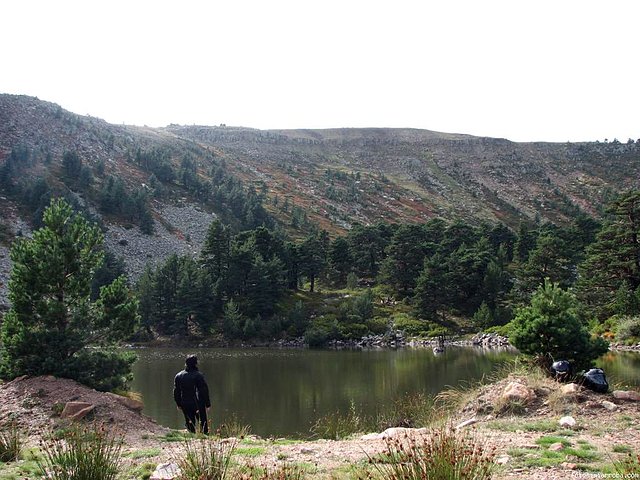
pixel 206 459
pixel 582 453
pixel 82 453
pixel 144 453
pixel 444 453
pixel 513 425
pixel 275 472
pixel 622 449
pixel 250 451
pixel 10 442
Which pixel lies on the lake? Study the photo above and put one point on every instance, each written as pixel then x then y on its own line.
pixel 282 392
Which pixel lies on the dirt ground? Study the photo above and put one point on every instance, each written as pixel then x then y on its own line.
pixel 519 433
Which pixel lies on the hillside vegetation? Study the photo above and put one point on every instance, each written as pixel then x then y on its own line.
pixel 222 228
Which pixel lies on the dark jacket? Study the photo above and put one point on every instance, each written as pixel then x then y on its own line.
pixel 190 389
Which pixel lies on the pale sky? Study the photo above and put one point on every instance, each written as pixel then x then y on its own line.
pixel 519 69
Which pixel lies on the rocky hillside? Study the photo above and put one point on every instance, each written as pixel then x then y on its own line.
pixel 295 178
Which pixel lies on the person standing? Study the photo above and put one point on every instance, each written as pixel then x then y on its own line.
pixel 191 394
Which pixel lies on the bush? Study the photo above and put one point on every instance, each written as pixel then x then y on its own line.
pixel 411 326
pixel 336 425
pixel 628 330
pixel 551 329
pixel 322 330
pixel 444 453
pixel 90 453
pixel 10 443
pixel 206 459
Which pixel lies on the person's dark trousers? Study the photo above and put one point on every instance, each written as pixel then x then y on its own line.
pixel 193 416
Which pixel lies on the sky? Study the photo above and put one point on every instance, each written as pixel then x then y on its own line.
pixel 561 70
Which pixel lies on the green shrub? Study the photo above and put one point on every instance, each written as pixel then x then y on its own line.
pixel 410 325
pixel 90 453
pixel 337 425
pixel 353 331
pixel 628 329
pixel 504 330
pixel 414 411
pixel 551 328
pixel 322 330
pixel 206 459
pixel 443 454
pixel 233 428
pixel 10 443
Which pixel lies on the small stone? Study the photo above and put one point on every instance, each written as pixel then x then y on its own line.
pixel 165 471
pixel 503 459
pixel 567 422
pixel 556 447
pixel 306 451
pixel 569 466
pixel 466 423
pixel 612 407
pixel 627 395
pixel 570 389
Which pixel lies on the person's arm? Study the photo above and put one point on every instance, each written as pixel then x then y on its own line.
pixel 203 391
pixel 177 396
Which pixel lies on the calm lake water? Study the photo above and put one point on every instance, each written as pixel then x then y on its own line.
pixel 282 392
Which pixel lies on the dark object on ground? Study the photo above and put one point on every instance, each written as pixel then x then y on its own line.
pixel 561 370
pixel 596 380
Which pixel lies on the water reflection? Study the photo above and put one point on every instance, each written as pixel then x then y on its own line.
pixel 282 392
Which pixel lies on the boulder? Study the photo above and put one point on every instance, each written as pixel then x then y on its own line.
pixel 518 392
pixel 567 422
pixel 165 471
pixel 612 407
pixel 630 395
pixel 77 410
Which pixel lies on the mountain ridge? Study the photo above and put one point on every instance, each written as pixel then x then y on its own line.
pixel 344 175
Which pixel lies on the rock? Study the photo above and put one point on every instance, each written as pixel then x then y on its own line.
pixel 165 471
pixel 518 392
pixel 556 447
pixel 503 459
pixel 466 423
pixel 630 395
pixel 77 410
pixel 570 389
pixel 569 466
pixel 306 451
pixel 567 422
pixel 394 433
pixel 612 407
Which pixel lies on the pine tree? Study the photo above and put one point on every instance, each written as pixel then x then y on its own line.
pixel 53 327
pixel 551 328
pixel 614 258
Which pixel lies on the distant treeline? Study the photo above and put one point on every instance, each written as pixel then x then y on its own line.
pixel 241 284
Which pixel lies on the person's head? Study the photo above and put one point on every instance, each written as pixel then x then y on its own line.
pixel 191 362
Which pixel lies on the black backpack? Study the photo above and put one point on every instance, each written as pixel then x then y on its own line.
pixel 596 380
